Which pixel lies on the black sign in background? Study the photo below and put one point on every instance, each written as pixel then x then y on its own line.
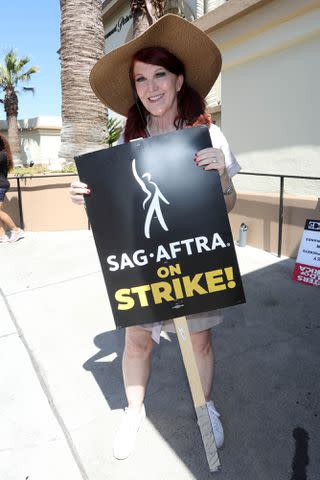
pixel 312 225
pixel 196 208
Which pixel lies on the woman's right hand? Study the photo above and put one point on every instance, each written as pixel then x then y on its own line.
pixel 77 190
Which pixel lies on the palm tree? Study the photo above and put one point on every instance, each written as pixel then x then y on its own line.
pixel 113 131
pixel 12 73
pixel 145 13
pixel 82 44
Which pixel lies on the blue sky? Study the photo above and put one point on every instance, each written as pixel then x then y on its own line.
pixel 33 29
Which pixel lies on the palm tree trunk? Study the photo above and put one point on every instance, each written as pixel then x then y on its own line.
pixel 82 44
pixel 145 13
pixel 11 109
pixel 141 22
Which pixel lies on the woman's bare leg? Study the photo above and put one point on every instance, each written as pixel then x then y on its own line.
pixel 136 365
pixel 203 351
pixel 7 220
pixel 2 229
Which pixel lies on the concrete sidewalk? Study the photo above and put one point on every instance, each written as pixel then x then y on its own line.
pixel 61 392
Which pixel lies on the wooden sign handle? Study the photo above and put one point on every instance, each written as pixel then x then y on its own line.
pixel 199 401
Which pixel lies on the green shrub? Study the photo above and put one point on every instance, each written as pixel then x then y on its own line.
pixel 113 131
pixel 41 169
pixel 69 168
pixel 37 169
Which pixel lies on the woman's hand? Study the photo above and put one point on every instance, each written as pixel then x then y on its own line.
pixel 211 159
pixel 77 190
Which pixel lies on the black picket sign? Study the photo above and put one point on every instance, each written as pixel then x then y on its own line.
pixel 161 228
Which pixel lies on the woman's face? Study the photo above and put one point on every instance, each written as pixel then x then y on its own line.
pixel 157 88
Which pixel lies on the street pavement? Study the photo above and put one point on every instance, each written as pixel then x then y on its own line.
pixel 61 393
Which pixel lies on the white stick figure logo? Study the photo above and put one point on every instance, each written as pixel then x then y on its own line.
pixel 154 205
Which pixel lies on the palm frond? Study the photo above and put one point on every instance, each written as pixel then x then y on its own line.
pixel 22 62
pixel 11 70
pixel 5 77
pixel 113 131
pixel 25 76
pixel 32 70
pixel 10 61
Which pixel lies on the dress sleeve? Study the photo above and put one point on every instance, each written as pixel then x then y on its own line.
pixel 219 141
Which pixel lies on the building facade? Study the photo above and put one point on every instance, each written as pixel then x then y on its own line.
pixel 40 139
pixel 269 88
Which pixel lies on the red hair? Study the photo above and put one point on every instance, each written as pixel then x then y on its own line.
pixel 4 145
pixel 190 103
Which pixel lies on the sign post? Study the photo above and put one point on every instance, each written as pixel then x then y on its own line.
pixel 164 240
pixel 197 394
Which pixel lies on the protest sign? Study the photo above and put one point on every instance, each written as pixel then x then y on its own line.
pixel 161 228
pixel 307 267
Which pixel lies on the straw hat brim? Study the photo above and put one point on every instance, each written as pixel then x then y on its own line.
pixel 109 77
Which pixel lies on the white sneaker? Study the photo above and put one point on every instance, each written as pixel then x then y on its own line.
pixel 125 438
pixel 15 236
pixel 216 424
pixel 4 239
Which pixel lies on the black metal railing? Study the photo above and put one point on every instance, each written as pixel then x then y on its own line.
pixel 281 178
pixel 280 215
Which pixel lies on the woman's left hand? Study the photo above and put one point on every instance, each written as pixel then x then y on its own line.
pixel 211 159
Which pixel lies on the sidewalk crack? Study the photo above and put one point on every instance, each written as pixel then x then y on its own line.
pixel 8 335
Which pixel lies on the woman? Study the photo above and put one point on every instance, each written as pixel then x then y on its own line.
pixel 6 222
pixel 159 81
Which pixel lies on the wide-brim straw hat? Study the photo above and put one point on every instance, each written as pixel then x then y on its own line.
pixel 109 77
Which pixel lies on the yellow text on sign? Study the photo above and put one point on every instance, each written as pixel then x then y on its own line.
pixel 175 288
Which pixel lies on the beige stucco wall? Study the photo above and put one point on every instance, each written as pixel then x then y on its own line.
pixel 260 212
pixel 269 90
pixel 46 204
pixel 39 137
pixel 41 146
